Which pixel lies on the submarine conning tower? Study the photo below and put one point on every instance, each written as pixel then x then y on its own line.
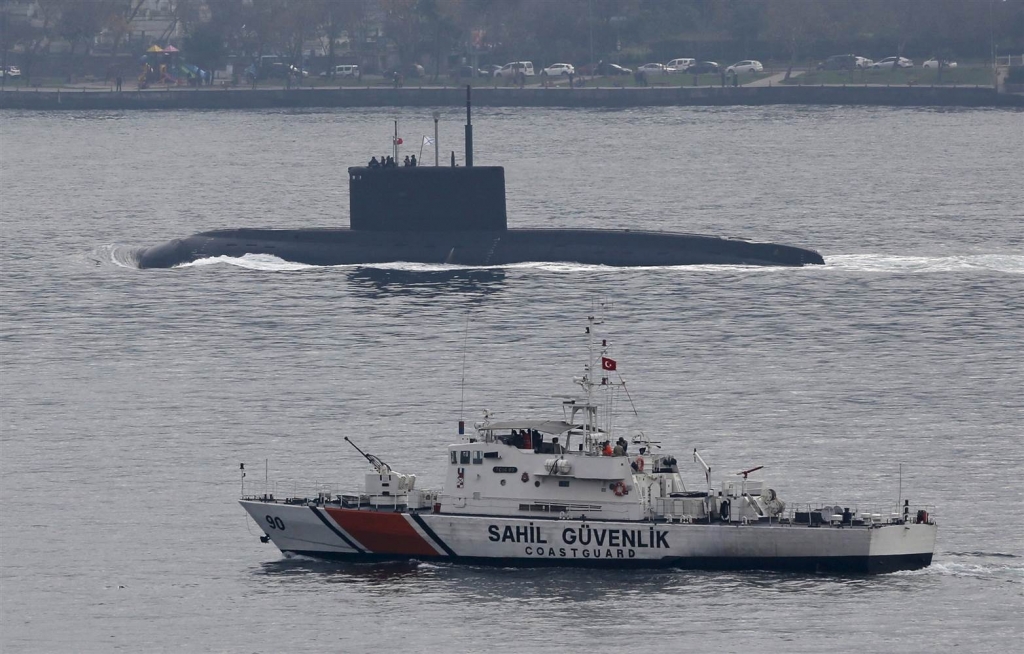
pixel 429 198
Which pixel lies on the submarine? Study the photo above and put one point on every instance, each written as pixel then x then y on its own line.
pixel 456 215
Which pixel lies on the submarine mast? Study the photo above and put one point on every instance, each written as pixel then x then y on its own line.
pixel 469 129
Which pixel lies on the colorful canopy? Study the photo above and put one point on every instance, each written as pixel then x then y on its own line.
pixel 155 48
pixel 171 48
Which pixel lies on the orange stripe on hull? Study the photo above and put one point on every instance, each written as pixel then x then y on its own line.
pixel 382 533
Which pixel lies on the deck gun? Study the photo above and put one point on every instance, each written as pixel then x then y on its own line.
pixel 378 465
pixel 386 482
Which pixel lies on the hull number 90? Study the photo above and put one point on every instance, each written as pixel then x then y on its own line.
pixel 275 523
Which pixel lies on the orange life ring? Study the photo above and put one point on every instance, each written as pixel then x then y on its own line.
pixel 619 488
pixel 639 464
pixel 525 477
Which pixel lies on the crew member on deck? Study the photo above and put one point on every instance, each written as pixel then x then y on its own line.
pixel 607 450
pixel 413 162
pixel 373 163
pixel 406 162
pixel 618 451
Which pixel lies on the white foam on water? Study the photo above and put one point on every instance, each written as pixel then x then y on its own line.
pixel 291 556
pixel 262 262
pixel 952 568
pixel 1003 263
pixel 880 263
pixel 119 255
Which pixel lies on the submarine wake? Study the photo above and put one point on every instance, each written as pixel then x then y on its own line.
pixel 261 262
pixel 122 256
pixel 272 263
pixel 884 263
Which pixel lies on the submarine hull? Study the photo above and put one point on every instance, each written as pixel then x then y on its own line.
pixel 329 247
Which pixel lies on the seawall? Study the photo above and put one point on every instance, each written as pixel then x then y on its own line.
pixel 214 98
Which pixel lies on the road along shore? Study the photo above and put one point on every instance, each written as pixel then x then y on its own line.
pixel 587 97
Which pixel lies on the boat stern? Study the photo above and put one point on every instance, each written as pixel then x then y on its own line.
pixel 907 546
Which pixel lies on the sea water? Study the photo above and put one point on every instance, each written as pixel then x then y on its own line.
pixel 130 397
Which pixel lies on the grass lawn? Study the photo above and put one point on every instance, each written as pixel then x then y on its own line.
pixel 676 80
pixel 961 76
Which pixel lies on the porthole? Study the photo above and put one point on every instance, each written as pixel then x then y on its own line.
pixel 502 482
pixel 537 483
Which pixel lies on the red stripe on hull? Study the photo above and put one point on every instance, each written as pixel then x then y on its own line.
pixel 382 533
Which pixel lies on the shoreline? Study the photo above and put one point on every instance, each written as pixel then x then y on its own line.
pixel 455 96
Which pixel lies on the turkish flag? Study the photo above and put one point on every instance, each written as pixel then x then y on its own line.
pixel 607 364
pixel 398 141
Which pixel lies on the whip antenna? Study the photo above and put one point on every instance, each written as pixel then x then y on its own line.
pixel 462 401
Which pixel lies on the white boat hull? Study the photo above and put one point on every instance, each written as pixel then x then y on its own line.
pixel 332 532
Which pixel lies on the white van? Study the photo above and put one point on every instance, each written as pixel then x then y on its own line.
pixel 514 67
pixel 346 70
pixel 680 65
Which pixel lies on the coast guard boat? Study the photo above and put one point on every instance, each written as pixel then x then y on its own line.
pixel 542 491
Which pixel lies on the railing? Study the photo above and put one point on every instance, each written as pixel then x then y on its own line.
pixel 259 489
pixel 805 514
pixel 821 514
pixel 322 493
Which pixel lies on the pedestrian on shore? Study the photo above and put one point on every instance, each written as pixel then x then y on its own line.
pixel 118 80
pixel 723 78
pixel 413 162
pixel 572 76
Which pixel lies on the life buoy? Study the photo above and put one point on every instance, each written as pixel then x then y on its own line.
pixel 619 488
pixel 639 464
pixel 525 477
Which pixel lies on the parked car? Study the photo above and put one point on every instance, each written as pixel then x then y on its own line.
pixel 489 69
pixel 559 69
pixel 845 62
pixel 514 68
pixel 12 71
pixel 611 70
pixel 411 71
pixel 343 70
pixel 934 63
pixel 892 62
pixel 680 65
pixel 702 67
pixel 746 66
pixel 469 71
pixel 653 69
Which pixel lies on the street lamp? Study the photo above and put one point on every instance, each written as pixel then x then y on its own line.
pixel 437 148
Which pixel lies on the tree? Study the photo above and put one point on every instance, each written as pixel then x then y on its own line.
pixel 79 23
pixel 204 46
pixel 793 25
